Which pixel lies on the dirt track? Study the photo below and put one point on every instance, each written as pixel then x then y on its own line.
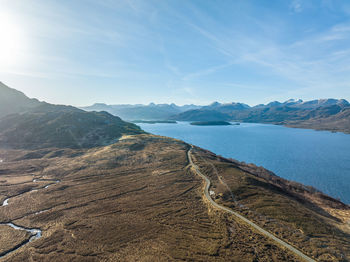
pixel 255 226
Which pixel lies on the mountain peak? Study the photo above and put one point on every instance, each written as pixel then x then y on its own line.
pixel 274 103
pixel 14 101
pixel 293 101
pixel 214 104
pixel 99 104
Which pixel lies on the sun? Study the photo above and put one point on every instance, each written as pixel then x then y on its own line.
pixel 10 41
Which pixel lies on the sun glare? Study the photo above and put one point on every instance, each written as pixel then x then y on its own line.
pixel 10 41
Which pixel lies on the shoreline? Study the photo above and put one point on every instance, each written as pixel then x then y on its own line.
pixel 287 172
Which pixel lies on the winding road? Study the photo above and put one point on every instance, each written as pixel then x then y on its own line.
pixel 247 221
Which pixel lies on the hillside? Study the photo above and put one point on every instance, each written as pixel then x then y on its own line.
pixel 67 127
pixel 201 115
pixel 13 101
pixel 339 122
pixel 138 200
pixel 87 186
pixel 40 125
pixel 324 114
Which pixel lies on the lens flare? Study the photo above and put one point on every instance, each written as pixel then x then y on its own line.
pixel 10 41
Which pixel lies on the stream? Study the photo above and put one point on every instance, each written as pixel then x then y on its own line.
pixel 6 201
pixel 35 232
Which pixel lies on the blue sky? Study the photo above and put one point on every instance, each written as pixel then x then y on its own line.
pixel 183 51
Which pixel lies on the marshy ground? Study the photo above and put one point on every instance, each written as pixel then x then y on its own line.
pixel 137 200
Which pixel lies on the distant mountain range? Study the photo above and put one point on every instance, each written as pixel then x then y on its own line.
pixel 19 117
pixel 142 112
pixel 28 123
pixel 148 190
pixel 324 114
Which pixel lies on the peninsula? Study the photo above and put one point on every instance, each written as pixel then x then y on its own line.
pixel 211 123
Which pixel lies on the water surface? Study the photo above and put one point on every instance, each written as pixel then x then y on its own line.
pixel 317 158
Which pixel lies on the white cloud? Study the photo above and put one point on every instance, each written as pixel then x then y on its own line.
pixel 296 6
pixel 206 71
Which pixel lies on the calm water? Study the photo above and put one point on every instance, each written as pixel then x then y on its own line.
pixel 317 158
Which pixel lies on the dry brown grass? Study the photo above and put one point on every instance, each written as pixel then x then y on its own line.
pixel 10 238
pixel 314 224
pixel 135 200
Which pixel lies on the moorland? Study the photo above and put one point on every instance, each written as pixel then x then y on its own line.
pixel 101 189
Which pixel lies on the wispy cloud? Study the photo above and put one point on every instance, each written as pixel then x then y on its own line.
pixel 309 62
pixel 204 72
pixel 312 61
pixel 296 6
pixel 188 49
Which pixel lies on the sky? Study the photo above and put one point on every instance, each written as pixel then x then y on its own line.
pixel 184 51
